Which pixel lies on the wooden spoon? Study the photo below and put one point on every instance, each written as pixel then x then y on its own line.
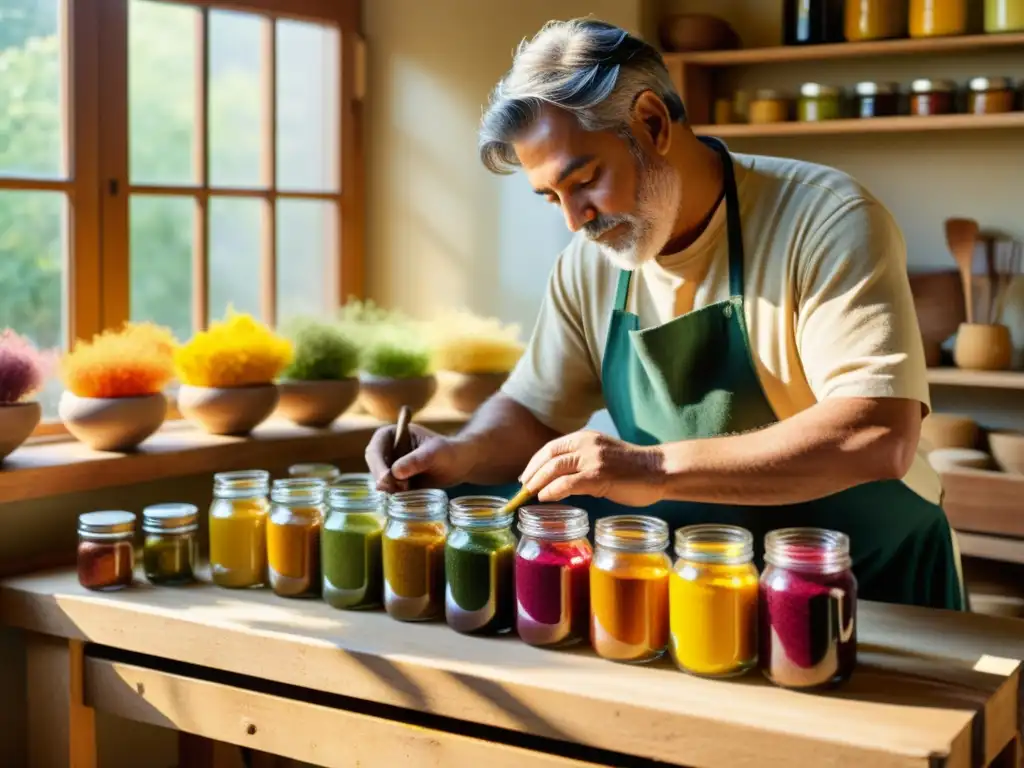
pixel 961 237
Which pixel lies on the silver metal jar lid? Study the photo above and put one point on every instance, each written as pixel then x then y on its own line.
pixel 869 88
pixel 924 85
pixel 106 522
pixel 816 90
pixel 172 516
pixel 982 84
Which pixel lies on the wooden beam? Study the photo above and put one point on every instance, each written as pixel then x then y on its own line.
pixel 201 173
pixel 61 728
pixel 268 174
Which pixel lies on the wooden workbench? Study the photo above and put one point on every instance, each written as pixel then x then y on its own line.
pixel 297 678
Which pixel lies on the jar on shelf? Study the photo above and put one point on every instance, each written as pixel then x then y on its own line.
pixel 818 102
pixel 238 528
pixel 350 548
pixel 937 18
pixel 875 20
pixel 932 97
pixel 412 548
pixel 106 550
pixel 713 593
pixel 808 624
pixel 552 575
pixel 1004 16
pixel 629 588
pixel 812 22
pixel 293 536
pixel 170 549
pixel 724 112
pixel 990 96
pixel 876 100
pixel 479 566
pixel 767 106
pixel 326 472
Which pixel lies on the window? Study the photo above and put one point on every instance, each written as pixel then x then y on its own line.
pixel 164 159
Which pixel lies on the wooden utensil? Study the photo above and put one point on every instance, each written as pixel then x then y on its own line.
pixel 961 237
pixel 403 440
pixel 517 501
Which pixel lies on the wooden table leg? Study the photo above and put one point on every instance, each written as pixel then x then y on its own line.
pixel 61 729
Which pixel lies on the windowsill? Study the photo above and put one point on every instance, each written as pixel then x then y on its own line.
pixel 51 467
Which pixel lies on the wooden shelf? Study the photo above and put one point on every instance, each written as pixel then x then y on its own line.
pixel 903 124
pixel 983 501
pixel 954 377
pixel 788 53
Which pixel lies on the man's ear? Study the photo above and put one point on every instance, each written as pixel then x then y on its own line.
pixel 651 122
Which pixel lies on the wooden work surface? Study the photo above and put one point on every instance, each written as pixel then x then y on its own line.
pixel 927 692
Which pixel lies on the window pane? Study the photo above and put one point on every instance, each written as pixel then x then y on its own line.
pixel 306 248
pixel 234 255
pixel 162 92
pixel 236 99
pixel 307 106
pixel 161 261
pixel 31 59
pixel 33 236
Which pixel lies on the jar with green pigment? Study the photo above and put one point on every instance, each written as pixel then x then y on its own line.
pixel 170 549
pixel 818 102
pixel 479 565
pixel 350 547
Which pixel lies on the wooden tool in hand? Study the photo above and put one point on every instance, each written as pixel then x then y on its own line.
pixel 403 439
pixel 517 501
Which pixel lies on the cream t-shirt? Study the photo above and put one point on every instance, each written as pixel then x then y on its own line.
pixel 827 302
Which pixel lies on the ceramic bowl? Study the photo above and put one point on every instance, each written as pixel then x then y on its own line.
pixel 227 410
pixel 383 398
pixel 16 424
pixel 316 403
pixel 983 347
pixel 468 391
pixel 1008 451
pixel 112 423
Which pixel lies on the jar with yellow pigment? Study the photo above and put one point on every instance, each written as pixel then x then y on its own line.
pixel 293 536
pixel 629 588
pixel 713 601
pixel 413 553
pixel 238 528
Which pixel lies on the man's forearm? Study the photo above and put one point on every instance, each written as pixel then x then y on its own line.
pixel 502 437
pixel 830 447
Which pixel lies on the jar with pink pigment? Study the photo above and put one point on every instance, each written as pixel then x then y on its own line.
pixel 808 608
pixel 552 567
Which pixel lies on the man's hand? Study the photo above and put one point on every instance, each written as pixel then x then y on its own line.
pixel 594 464
pixel 435 461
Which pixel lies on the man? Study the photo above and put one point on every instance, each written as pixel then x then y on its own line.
pixel 746 320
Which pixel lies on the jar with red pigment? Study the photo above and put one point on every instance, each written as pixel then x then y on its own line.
pixel 553 575
pixel 808 607
pixel 106 550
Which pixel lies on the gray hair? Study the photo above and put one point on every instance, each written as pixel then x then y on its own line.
pixel 593 69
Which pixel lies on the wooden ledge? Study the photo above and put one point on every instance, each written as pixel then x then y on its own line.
pixel 933 687
pixel 180 449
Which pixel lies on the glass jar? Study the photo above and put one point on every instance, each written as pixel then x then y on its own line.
pixel 552 575
pixel 713 594
pixel 808 632
pixel 169 552
pixel 629 588
pixel 238 528
pixel 326 472
pixel 818 102
pixel 767 106
pixel 413 552
pixel 293 536
pixel 990 96
pixel 876 100
pixel 479 566
pixel 875 20
pixel 937 18
pixel 350 548
pixel 106 552
pixel 812 22
pixel 932 97
pixel 1004 16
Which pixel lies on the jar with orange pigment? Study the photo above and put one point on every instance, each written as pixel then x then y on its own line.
pixel 629 588
pixel 713 594
pixel 293 536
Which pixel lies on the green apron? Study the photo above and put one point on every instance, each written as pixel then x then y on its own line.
pixel 694 377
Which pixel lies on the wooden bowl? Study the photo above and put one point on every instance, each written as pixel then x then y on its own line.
pixel 112 423
pixel 946 430
pixel 697 32
pixel 383 397
pixel 983 347
pixel 1008 451
pixel 316 403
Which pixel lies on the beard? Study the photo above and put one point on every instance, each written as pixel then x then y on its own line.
pixel 644 233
